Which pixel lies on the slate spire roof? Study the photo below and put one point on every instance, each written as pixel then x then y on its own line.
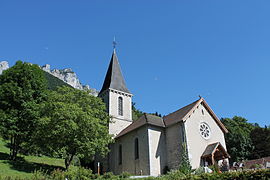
pixel 114 78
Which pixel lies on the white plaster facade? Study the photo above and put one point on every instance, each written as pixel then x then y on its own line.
pixel 129 163
pixel 195 142
pixel 118 122
pixel 161 141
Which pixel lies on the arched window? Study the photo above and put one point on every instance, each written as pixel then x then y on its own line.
pixel 120 155
pixel 120 106
pixel 136 145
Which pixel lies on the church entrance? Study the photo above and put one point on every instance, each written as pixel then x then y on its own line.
pixel 214 153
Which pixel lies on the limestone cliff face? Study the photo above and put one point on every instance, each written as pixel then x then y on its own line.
pixel 66 75
pixel 3 66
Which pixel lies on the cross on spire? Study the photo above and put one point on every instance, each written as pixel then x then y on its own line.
pixel 114 43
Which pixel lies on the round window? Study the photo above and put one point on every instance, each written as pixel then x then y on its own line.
pixel 205 130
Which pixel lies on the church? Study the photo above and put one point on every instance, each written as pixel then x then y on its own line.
pixel 152 145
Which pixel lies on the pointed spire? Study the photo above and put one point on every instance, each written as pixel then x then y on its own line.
pixel 114 78
pixel 114 44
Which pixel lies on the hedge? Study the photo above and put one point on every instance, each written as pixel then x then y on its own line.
pixel 84 174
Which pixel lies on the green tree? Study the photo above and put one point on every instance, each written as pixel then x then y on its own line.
pixel 185 166
pixel 238 141
pixel 22 90
pixel 136 113
pixel 261 140
pixel 74 124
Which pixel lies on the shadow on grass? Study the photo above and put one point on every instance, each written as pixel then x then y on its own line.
pixel 21 165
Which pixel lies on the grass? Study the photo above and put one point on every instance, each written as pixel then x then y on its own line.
pixel 25 165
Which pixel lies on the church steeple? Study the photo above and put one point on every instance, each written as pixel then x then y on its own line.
pixel 117 97
pixel 114 78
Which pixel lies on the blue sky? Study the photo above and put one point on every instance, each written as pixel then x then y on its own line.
pixel 170 51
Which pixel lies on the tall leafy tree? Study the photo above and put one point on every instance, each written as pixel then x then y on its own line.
pixel 74 124
pixel 22 90
pixel 261 140
pixel 238 141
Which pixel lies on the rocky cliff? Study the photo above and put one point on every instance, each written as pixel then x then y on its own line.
pixel 66 75
pixel 3 66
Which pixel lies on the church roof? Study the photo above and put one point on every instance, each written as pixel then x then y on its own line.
pixel 114 78
pixel 183 113
pixel 212 148
pixel 143 120
pixel 170 119
pixel 178 115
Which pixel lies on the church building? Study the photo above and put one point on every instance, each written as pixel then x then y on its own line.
pixel 151 145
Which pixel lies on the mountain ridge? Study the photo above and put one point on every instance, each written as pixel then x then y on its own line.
pixel 58 77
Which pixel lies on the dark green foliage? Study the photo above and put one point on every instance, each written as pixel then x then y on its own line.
pixel 136 114
pixel 125 175
pixel 261 140
pixel 22 90
pixel 156 114
pixel 185 166
pixel 238 141
pixel 245 140
pixel 54 82
pixel 84 174
pixel 77 124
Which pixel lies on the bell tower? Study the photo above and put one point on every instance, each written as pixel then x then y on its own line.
pixel 117 97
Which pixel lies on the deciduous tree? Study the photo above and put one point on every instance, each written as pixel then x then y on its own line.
pixel 238 141
pixel 22 90
pixel 74 124
pixel 261 140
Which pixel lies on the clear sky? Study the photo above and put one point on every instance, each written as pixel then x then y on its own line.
pixel 170 51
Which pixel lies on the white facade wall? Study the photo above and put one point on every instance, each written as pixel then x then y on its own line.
pixel 119 122
pixel 157 150
pixel 129 163
pixel 196 144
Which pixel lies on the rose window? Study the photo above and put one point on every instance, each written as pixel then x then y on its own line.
pixel 205 130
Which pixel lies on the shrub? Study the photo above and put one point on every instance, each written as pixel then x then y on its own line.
pixel 108 175
pixel 79 173
pixel 176 174
pixel 57 175
pixel 124 175
pixel 199 171
pixel 215 168
pixel 185 166
pixel 38 175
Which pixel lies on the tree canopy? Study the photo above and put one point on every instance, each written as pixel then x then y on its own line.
pixel 136 113
pixel 246 140
pixel 260 138
pixel 22 90
pixel 74 123
pixel 238 141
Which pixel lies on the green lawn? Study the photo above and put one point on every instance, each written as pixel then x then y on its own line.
pixel 26 165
